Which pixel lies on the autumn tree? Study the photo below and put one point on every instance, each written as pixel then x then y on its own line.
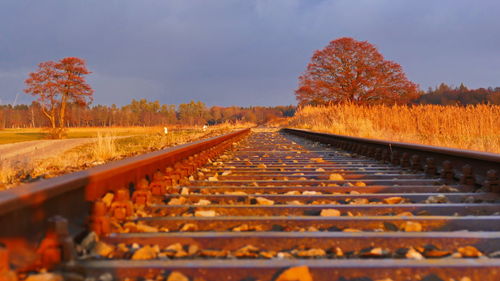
pixel 72 85
pixel 140 112
pixel 193 113
pixel 168 112
pixel 43 84
pixel 352 71
pixel 55 84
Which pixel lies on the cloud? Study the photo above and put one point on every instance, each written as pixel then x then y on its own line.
pixel 241 52
pixel 121 90
pixel 11 89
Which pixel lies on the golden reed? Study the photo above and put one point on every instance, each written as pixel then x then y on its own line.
pixel 475 127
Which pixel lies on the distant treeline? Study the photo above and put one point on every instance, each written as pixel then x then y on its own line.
pixel 141 113
pixel 152 113
pixel 461 95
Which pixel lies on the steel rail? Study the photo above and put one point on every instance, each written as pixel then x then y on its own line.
pixel 24 210
pixel 470 167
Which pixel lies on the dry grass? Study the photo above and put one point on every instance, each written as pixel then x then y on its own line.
pixel 109 146
pixel 105 147
pixel 471 127
pixel 7 172
pixel 28 134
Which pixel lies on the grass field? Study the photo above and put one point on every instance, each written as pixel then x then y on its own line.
pixel 470 127
pixel 107 147
pixel 30 134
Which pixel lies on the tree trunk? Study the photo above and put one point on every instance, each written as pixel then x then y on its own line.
pixel 32 118
pixel 51 117
pixel 62 113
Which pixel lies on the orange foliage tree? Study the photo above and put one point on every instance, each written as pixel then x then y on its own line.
pixel 352 71
pixel 56 84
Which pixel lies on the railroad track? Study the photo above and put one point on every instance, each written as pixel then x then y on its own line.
pixel 289 205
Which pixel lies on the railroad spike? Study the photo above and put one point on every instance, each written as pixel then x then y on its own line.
pixel 447 172
pixel 181 169
pixel 366 150
pixel 351 146
pixel 158 186
pixel 346 146
pixel 371 152
pixel 492 182
pixel 378 153
pixel 189 165
pixel 60 225
pixel 122 207
pixel 143 192
pixel 171 176
pixel 359 149
pixel 467 177
pixel 385 156
pixel 415 162
pixel 405 160
pixel 99 219
pixel 395 159
pixel 6 273
pixel 55 248
pixel 49 251
pixel 430 166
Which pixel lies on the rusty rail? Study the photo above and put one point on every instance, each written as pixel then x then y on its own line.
pixel 24 210
pixel 473 168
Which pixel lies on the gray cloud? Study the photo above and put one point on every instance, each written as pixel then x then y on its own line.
pixel 243 52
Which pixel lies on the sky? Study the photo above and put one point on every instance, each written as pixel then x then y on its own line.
pixel 240 52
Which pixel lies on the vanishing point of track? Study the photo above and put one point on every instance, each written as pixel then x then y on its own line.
pixel 264 205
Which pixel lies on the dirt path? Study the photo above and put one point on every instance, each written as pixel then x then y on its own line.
pixel 28 151
pixel 39 149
